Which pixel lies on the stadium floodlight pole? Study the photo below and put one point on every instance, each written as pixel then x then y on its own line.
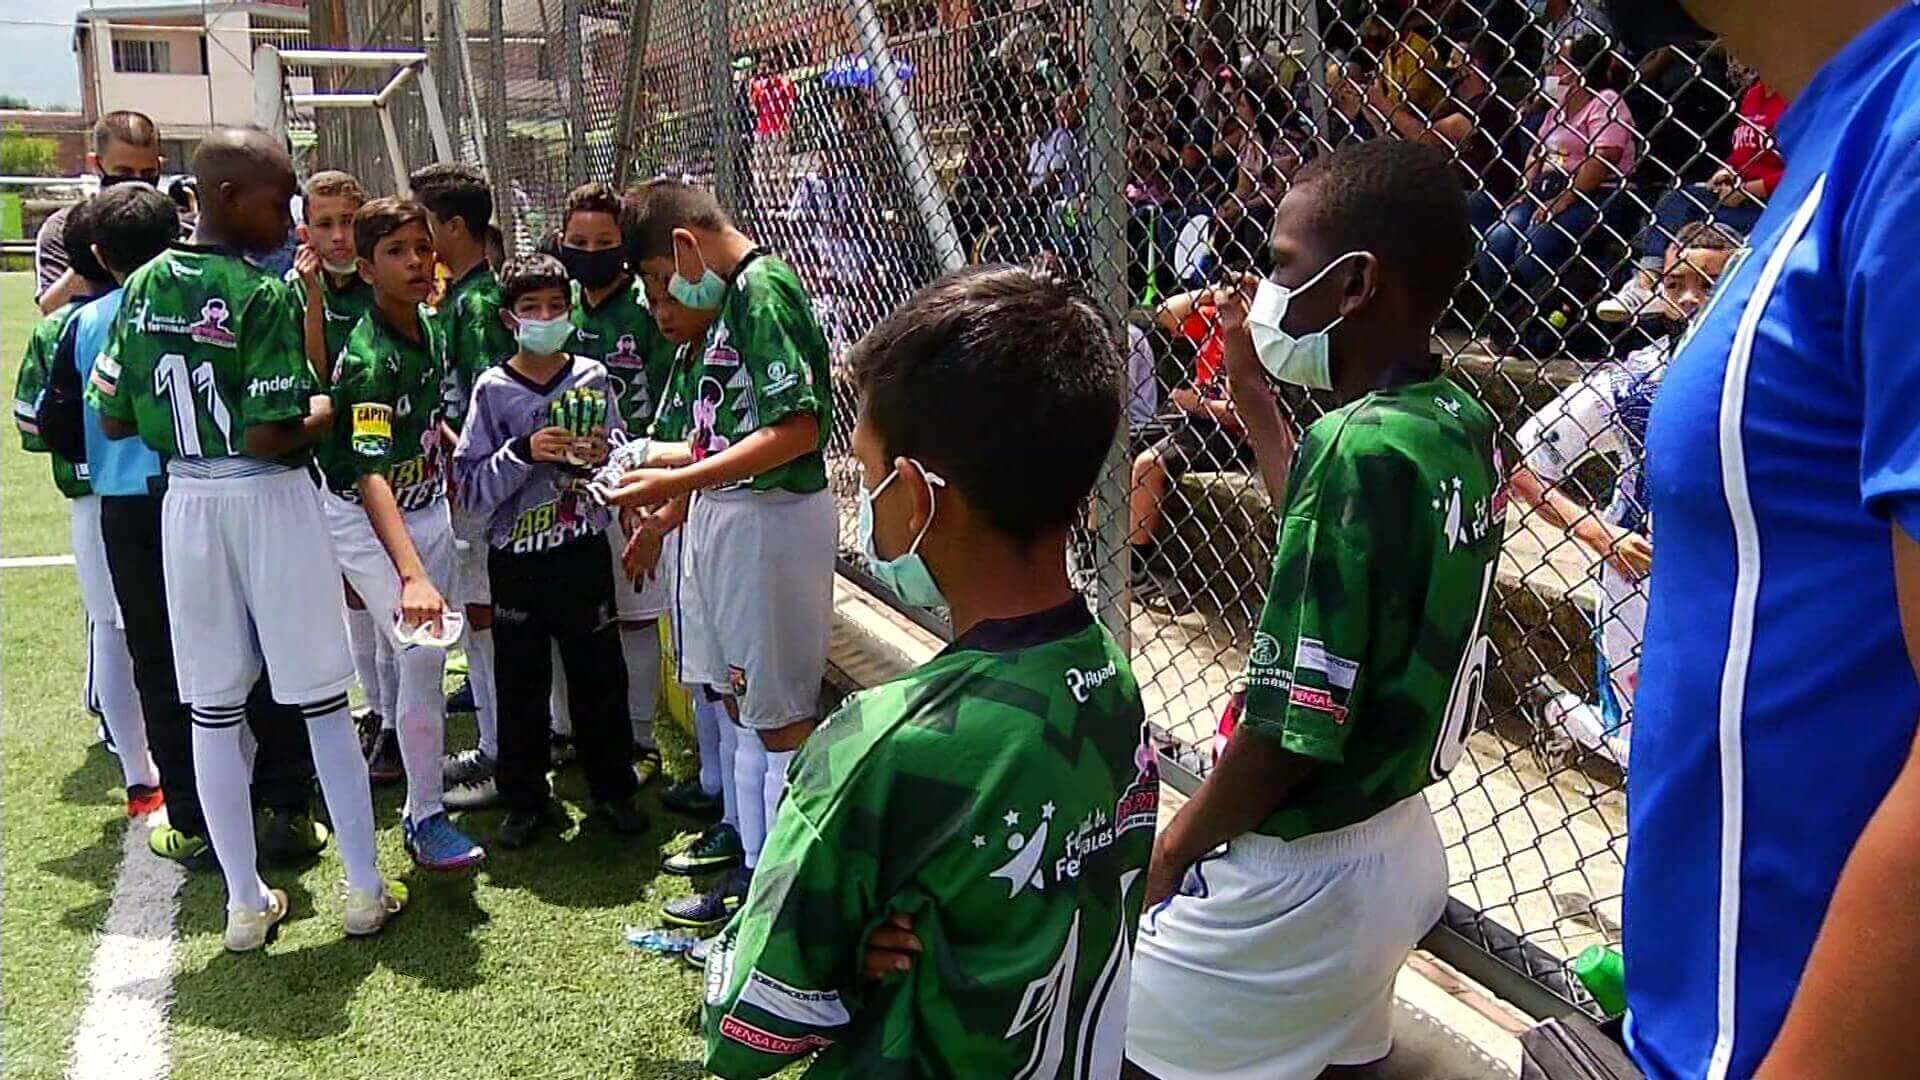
pixel 1106 213
pixel 903 127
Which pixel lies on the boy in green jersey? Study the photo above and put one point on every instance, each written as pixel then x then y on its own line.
pixel 207 366
pixel 459 211
pixel 757 549
pixel 386 471
pixel 998 802
pixel 611 324
pixel 1278 957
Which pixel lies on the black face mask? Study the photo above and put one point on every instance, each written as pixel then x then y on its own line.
pixel 1646 25
pixel 594 269
pixel 151 179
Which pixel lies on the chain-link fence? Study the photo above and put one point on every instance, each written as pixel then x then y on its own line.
pixel 1142 146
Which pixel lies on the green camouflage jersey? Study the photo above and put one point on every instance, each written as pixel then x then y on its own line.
pixel 206 344
pixel 765 360
pixel 386 406
pixel 1369 656
pixel 342 305
pixel 1003 795
pixel 673 418
pixel 476 339
pixel 29 387
pixel 620 333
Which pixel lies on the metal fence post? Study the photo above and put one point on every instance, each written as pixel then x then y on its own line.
pixel 639 24
pixel 576 88
pixel 903 128
pixel 1106 211
pixel 726 141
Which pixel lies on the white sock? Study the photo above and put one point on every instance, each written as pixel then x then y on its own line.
pixel 641 647
pixel 110 676
pixel 559 710
pixel 422 728
pixel 389 664
pixel 363 638
pixel 729 743
pixel 225 785
pixel 749 779
pixel 708 721
pixel 480 677
pixel 776 783
pixel 343 783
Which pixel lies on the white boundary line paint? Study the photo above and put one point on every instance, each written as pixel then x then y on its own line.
pixel 1746 593
pixel 18 562
pixel 123 1031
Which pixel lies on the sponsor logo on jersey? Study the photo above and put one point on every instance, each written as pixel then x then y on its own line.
pixel 814 1008
pixel 1310 654
pixel 1139 805
pixel 275 385
pixel 1082 684
pixel 372 428
pixel 1319 701
pixel 1266 650
pixel 212 327
pixel 1463 525
pixel 780 378
pixel 753 1038
pixel 1022 868
pixel 626 353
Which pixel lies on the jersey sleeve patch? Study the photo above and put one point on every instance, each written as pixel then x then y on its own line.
pixel 372 429
pixel 737 1030
pixel 813 1008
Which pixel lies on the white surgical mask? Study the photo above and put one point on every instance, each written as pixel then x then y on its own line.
pixel 906 575
pixel 1555 88
pixel 340 269
pixel 543 337
pixel 1306 360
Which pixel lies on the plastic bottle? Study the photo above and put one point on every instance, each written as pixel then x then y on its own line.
pixel 1603 971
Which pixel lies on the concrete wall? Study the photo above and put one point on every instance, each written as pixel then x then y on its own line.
pixel 185 99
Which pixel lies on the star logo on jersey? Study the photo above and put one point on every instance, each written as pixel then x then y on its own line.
pixel 212 327
pixel 1450 406
pixel 626 353
pixel 1022 868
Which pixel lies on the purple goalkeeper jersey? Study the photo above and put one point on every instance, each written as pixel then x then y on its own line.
pixel 530 506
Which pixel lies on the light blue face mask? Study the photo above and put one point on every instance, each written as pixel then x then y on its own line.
pixel 702 295
pixel 907 575
pixel 543 337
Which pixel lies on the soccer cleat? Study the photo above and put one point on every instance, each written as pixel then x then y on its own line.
pixel 249 930
pixel 690 799
pixel 709 911
pixel 520 827
pixel 367 723
pixel 646 764
pixel 144 799
pixel 176 846
pixel 291 835
pixel 626 818
pixel 475 796
pixel 461 700
pixel 383 765
pixel 717 849
pixel 466 767
pixel 437 845
pixel 368 912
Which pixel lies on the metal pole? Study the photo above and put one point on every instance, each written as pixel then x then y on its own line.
pixel 504 209
pixel 903 127
pixel 1106 212
pixel 269 92
pixel 394 157
pixel 436 120
pixel 639 24
pixel 576 88
pixel 725 141
pixel 457 25
pixel 1319 96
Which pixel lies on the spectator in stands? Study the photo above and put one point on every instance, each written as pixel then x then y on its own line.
pixel 1473 123
pixel 1563 21
pixel 1605 414
pixel 1734 197
pixel 1587 146
pixel 1203 433
pixel 125 146
pixel 1057 160
pixel 1401 40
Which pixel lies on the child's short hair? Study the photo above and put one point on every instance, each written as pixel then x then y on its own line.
pixel 1704 236
pixel 593 197
pixel 332 184
pixel 953 379
pixel 76 233
pixel 653 209
pixel 132 224
pixel 381 218
pixel 530 273
pixel 1401 201
pixel 451 190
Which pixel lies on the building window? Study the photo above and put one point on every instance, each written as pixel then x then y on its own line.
pixel 141 56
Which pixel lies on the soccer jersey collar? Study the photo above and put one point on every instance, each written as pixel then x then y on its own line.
pixel 1026 631
pixel 550 386
pixel 481 267
pixel 191 248
pixel 396 333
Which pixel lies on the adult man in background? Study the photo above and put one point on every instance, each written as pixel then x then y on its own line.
pixel 126 146
pixel 1785 480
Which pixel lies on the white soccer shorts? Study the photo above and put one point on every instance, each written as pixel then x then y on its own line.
pixel 756 600
pixel 90 562
pixel 252 578
pixel 368 567
pixel 653 597
pixel 471 585
pixel 1278 958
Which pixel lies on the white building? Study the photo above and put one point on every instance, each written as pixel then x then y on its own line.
pixel 185 63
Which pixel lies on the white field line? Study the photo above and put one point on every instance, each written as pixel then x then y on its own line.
pixel 123 1032
pixel 18 562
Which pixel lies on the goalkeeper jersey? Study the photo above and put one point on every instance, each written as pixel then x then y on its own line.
pixel 1369 655
pixel 1004 797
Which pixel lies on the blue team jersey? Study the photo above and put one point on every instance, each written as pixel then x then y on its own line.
pixel 118 466
pixel 1776 701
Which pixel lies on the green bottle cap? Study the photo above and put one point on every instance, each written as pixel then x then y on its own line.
pixel 1603 971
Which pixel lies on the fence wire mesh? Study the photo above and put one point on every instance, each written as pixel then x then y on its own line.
pixel 1141 147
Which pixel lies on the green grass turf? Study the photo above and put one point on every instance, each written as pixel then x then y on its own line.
pixel 519 971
